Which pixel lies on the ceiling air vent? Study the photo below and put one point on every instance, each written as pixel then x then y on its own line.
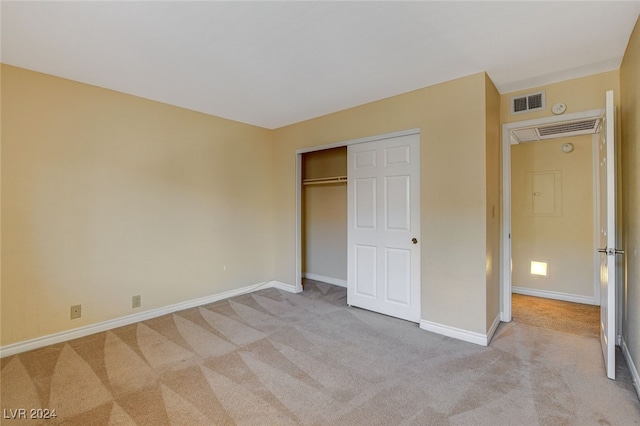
pixel 569 129
pixel 527 103
pixel 559 130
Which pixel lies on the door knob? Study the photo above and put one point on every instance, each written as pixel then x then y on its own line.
pixel 414 240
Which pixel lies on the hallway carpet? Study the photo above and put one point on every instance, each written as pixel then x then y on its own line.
pixel 568 317
pixel 275 358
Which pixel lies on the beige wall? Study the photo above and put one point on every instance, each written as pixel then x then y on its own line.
pixel 630 112
pixel 106 196
pixel 566 240
pixel 580 94
pixel 324 230
pixel 452 121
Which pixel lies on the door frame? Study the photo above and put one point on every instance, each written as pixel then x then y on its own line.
pixel 505 258
pixel 298 182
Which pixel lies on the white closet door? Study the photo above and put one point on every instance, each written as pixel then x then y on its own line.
pixel 384 226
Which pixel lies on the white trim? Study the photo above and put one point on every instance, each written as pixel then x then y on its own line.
pixel 493 329
pixel 359 140
pixel 322 278
pixel 298 255
pixel 557 295
pixel 76 333
pixel 505 261
pixel 632 367
pixel 460 334
pixel 283 286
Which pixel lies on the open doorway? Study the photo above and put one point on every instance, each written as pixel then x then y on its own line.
pixel 603 128
pixel 543 245
pixel 554 220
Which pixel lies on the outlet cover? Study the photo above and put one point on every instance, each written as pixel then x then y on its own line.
pixel 136 302
pixel 76 311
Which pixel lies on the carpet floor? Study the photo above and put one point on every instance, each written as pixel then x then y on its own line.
pixel 275 358
pixel 568 317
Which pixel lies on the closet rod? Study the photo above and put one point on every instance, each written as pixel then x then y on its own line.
pixel 320 181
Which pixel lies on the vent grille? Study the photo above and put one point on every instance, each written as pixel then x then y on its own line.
pixel 535 101
pixel 520 104
pixel 527 103
pixel 565 129
pixel 575 126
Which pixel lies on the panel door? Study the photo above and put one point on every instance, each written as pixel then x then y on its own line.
pixel 607 236
pixel 384 226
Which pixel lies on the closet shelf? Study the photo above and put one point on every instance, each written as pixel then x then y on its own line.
pixel 325 180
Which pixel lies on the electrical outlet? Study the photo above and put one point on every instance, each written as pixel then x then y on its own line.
pixel 136 302
pixel 76 311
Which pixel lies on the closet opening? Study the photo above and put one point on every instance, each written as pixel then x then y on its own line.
pixel 323 202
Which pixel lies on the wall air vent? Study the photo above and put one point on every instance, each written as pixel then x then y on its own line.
pixel 559 130
pixel 528 103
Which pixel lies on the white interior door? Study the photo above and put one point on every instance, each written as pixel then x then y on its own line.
pixel 607 236
pixel 383 260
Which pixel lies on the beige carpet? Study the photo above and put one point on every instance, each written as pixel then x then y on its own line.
pixel 276 358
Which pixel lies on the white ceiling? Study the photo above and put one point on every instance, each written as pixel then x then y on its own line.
pixel 277 63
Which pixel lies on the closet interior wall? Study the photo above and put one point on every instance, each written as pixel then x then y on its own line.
pixel 324 215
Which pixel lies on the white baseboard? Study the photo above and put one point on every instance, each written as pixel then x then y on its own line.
pixel 632 367
pixel 493 328
pixel 282 286
pixel 557 295
pixel 328 280
pixel 460 334
pixel 63 336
